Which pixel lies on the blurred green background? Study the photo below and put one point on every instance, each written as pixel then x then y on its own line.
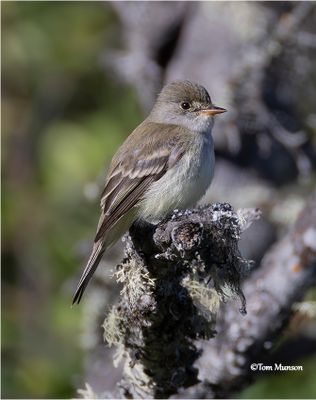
pixel 62 119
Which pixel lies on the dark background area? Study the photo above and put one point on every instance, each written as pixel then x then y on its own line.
pixel 77 77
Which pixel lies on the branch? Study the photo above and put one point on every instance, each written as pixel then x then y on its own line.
pixel 286 272
pixel 174 276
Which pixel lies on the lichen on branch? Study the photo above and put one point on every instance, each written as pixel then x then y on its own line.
pixel 174 276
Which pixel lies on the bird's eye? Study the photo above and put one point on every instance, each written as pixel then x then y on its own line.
pixel 185 105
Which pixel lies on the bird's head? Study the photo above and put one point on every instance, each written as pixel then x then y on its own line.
pixel 185 103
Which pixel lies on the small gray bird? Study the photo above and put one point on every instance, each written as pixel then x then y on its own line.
pixel 167 162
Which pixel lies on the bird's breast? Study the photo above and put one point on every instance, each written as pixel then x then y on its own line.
pixel 184 184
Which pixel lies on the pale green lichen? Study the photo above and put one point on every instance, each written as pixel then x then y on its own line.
pixel 136 280
pixel 207 297
pixel 87 392
pixel 119 354
pixel 137 378
pixel 113 328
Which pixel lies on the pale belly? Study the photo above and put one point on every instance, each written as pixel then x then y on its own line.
pixel 182 186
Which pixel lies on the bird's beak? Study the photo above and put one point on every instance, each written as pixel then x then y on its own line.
pixel 212 110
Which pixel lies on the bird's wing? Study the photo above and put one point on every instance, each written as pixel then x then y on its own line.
pixel 132 171
pixel 124 188
pixel 128 181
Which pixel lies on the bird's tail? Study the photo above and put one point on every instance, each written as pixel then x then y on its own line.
pixel 93 262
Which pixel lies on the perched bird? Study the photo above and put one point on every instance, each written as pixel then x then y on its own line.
pixel 167 162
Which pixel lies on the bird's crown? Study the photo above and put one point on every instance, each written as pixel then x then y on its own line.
pixel 184 91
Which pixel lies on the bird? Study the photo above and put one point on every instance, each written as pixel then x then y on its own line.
pixel 166 163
